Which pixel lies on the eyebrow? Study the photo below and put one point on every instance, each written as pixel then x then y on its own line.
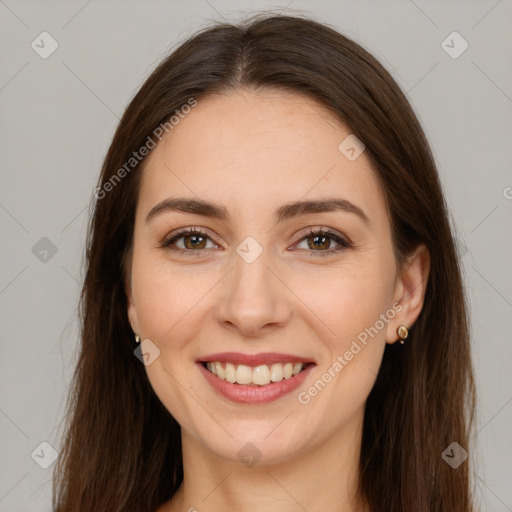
pixel 287 211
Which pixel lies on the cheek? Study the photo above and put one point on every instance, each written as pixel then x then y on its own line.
pixel 346 303
pixel 352 353
pixel 168 308
pixel 166 300
pixel 355 306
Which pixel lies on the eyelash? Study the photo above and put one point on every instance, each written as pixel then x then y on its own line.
pixel 343 243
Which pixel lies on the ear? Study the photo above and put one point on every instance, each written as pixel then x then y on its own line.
pixel 410 291
pixel 131 310
pixel 132 313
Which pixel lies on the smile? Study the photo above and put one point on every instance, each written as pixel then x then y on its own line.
pixel 254 379
pixel 261 375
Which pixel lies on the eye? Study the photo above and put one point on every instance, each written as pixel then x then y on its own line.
pixel 194 240
pixel 321 239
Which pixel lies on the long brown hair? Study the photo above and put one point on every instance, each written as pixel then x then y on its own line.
pixel 121 449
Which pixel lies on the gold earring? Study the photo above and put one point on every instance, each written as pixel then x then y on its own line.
pixel 402 332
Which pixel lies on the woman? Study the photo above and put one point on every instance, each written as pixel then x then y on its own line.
pixel 268 223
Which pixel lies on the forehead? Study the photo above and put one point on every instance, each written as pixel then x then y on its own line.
pixel 255 151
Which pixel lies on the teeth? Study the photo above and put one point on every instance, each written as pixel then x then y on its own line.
pixel 258 375
pixel 276 372
pixel 297 368
pixel 243 374
pixel 229 373
pixel 219 370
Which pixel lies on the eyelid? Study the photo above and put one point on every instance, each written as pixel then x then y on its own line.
pixel 324 229
pixel 343 242
pixel 177 234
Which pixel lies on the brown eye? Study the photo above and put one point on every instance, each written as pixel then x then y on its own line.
pixel 320 242
pixel 193 240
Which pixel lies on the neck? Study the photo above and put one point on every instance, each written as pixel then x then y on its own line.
pixel 323 477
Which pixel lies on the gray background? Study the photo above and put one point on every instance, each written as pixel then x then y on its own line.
pixel 58 116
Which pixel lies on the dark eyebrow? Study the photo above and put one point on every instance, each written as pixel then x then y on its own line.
pixel 287 211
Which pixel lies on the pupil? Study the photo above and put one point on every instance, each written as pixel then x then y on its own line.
pixel 194 240
pixel 319 244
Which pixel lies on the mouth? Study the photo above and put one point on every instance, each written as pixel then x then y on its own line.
pixel 258 379
pixel 260 375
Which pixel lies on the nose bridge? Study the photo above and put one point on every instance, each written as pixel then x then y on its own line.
pixel 254 298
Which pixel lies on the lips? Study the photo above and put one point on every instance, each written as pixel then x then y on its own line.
pixel 254 394
pixel 267 358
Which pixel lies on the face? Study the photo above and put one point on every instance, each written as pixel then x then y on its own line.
pixel 261 279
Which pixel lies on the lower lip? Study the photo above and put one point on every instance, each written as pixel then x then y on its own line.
pixel 253 394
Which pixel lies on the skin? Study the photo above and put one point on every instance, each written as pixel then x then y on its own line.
pixel 254 152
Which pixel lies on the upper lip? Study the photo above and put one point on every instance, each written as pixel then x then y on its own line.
pixel 254 359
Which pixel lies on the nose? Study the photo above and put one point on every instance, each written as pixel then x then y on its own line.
pixel 255 301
